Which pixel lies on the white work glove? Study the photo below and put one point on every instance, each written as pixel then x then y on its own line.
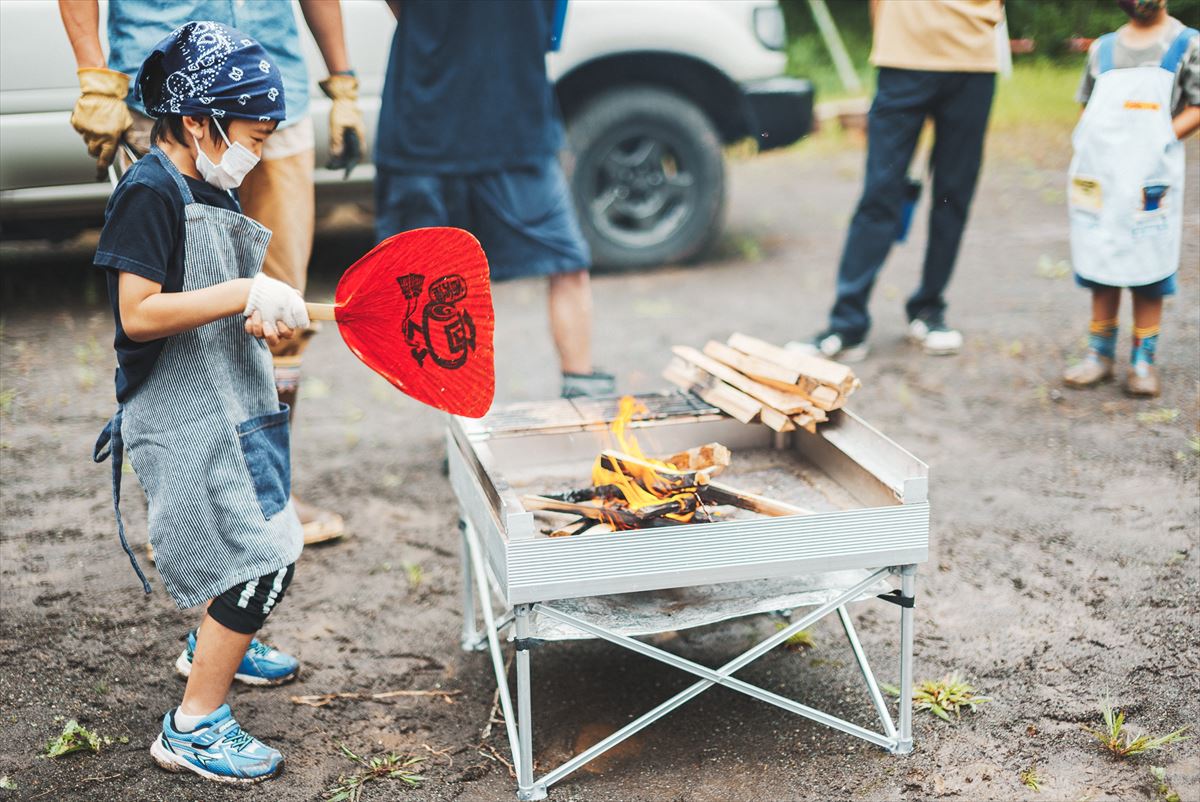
pixel 276 302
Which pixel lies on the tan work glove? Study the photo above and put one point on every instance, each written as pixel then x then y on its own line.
pixel 347 133
pixel 101 116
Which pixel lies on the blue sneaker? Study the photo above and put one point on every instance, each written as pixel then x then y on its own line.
pixel 261 665
pixel 218 749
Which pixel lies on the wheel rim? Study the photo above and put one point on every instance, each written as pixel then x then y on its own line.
pixel 641 191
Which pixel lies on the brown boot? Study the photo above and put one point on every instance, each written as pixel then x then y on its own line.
pixel 1142 381
pixel 1093 370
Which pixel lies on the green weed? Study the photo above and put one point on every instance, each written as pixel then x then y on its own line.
pixel 1161 415
pixel 75 738
pixel 1030 779
pixel 1165 792
pixel 950 694
pixel 801 640
pixel 415 575
pixel 372 769
pixel 6 783
pixel 1116 739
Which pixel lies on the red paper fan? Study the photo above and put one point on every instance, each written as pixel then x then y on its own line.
pixel 418 311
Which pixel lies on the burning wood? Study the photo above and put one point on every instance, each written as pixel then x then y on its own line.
pixel 750 379
pixel 633 491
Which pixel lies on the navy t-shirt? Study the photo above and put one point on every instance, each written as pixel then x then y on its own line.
pixel 466 88
pixel 144 234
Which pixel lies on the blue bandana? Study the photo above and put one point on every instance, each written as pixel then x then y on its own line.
pixel 210 70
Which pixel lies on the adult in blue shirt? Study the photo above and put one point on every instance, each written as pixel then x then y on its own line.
pixel 469 136
pixel 279 192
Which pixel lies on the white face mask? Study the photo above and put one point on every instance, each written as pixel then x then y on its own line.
pixel 228 173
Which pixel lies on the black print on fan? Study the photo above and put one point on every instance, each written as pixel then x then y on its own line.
pixel 445 334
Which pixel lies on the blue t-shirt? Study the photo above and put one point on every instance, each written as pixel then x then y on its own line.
pixel 136 26
pixel 144 234
pixel 466 88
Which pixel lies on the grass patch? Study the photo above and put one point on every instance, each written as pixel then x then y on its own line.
pixel 391 766
pixel 6 783
pixel 1039 95
pixel 1117 740
pixel 941 697
pixel 1030 779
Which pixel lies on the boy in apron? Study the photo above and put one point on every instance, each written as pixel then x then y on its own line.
pixel 199 417
pixel 1141 88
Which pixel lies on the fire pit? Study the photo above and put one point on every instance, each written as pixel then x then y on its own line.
pixel 846 508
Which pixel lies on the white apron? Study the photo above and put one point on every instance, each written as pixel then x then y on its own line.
pixel 1125 184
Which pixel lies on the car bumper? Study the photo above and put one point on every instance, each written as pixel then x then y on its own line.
pixel 780 111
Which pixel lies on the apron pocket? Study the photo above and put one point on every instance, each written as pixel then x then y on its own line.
pixel 265 446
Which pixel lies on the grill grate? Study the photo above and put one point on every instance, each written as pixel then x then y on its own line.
pixel 581 413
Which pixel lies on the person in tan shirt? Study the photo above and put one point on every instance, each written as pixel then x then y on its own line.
pixel 938 59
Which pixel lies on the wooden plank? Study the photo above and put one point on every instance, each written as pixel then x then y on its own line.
pixel 609 515
pixel 776 420
pixel 822 370
pixel 826 397
pixel 784 402
pixel 760 369
pixel 710 458
pixel 716 493
pixel 732 402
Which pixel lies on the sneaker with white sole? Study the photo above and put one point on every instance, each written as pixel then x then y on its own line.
pixel 831 345
pixel 218 750
pixel 934 336
pixel 261 665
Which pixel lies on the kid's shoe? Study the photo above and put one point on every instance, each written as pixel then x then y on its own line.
pixel 1091 370
pixel 1142 381
pixel 218 749
pixel 831 345
pixel 934 336
pixel 261 665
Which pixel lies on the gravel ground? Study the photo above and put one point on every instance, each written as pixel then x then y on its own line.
pixel 1063 568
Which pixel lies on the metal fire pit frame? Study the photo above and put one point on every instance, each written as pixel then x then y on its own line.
pixel 502 556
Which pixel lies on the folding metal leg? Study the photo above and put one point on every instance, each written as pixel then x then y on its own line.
pixel 908 589
pixel 885 718
pixel 526 790
pixel 470 629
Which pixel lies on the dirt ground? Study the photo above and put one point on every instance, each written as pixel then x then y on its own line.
pixel 1064 565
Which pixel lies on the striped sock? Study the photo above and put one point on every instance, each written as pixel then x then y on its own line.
pixel 1102 337
pixel 1145 342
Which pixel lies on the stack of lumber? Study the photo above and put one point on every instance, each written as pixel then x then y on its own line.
pixel 751 380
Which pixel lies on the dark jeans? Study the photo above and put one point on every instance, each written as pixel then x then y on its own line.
pixel 959 103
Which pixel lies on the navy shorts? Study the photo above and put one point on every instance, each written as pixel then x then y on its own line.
pixel 1159 289
pixel 522 216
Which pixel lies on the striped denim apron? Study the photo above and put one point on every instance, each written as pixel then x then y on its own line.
pixel 206 433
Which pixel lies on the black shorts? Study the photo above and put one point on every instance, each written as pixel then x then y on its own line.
pixel 244 608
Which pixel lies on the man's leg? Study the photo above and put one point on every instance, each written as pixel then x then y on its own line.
pixel 901 103
pixel 960 120
pixel 279 194
pixel 570 300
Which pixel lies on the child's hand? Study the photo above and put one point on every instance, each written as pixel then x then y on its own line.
pixel 274 309
pixel 265 330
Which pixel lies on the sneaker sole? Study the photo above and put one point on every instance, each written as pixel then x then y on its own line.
pixel 912 338
pixel 183 667
pixel 176 764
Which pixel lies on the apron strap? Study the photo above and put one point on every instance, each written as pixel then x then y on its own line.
pixel 1178 49
pixel 109 443
pixel 174 171
pixel 1104 52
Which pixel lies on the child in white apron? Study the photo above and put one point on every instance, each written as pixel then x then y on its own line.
pixel 199 417
pixel 1141 88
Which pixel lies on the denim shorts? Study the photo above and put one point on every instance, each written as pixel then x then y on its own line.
pixel 1159 289
pixel 522 216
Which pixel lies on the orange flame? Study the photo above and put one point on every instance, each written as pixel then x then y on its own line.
pixel 637 482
